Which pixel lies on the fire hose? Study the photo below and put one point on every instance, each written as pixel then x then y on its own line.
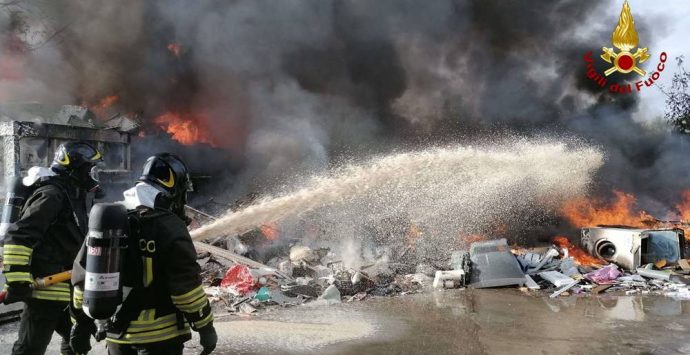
pixel 42 282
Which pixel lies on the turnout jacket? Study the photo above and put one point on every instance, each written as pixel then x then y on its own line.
pixel 47 237
pixel 160 269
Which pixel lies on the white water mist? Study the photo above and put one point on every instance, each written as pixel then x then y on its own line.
pixel 449 191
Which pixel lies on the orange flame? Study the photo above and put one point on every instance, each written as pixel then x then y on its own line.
pixel 684 207
pixel 11 58
pixel 580 256
pixel 622 211
pixel 413 234
pixel 101 108
pixel 108 101
pixel 11 68
pixel 270 231
pixel 471 238
pixel 175 48
pixel 584 212
pixel 184 128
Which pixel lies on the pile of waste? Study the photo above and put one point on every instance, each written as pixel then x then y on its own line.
pixel 563 276
pixel 306 275
pixel 617 260
pixel 612 260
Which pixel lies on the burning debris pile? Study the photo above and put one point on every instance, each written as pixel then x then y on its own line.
pixel 646 258
pixel 622 210
pixel 622 261
pixel 425 229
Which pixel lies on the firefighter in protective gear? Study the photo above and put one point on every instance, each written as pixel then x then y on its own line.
pixel 44 241
pixel 162 283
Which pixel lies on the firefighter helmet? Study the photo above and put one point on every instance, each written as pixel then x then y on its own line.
pixel 79 161
pixel 169 174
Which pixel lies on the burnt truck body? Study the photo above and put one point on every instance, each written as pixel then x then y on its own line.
pixel 27 144
pixel 29 139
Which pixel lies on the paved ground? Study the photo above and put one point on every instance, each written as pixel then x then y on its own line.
pixel 501 321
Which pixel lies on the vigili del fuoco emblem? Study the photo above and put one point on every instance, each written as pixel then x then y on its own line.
pixel 624 37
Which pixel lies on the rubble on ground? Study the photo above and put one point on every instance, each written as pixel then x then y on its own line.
pixel 618 260
pixel 239 285
pixel 304 275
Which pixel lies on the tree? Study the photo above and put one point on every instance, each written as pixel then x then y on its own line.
pixel 678 99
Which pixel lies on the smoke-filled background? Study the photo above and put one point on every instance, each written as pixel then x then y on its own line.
pixel 254 92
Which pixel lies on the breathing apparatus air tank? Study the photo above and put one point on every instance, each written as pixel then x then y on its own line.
pixel 16 196
pixel 104 243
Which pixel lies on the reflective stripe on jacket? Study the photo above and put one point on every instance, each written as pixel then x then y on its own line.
pixel 56 292
pixel 149 329
pixel 46 237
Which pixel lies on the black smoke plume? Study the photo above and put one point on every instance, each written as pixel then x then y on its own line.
pixel 282 87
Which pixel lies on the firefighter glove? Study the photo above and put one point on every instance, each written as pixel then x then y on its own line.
pixel 17 292
pixel 79 337
pixel 208 338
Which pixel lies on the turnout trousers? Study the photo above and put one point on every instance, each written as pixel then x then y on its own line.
pixel 39 320
pixel 168 347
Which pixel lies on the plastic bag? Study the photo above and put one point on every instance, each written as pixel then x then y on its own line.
pixel 239 280
pixel 605 275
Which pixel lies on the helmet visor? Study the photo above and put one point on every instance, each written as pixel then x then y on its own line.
pixel 95 173
pixel 190 186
